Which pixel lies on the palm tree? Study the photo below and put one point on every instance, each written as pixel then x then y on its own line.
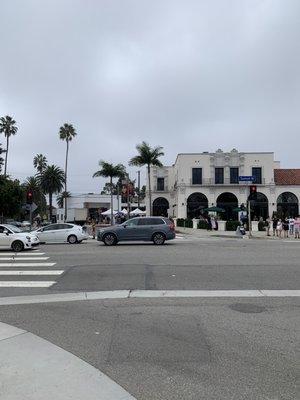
pixel 32 183
pixel 60 199
pixel 40 163
pixel 8 127
pixel 110 171
pixel 67 133
pixel 51 181
pixel 150 157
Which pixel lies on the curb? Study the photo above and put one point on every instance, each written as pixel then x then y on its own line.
pixel 32 368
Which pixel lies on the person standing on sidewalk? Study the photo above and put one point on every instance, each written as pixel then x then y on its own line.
pixel 279 228
pixel 297 228
pixel 275 221
pixel 285 225
pixel 291 225
pixel 268 225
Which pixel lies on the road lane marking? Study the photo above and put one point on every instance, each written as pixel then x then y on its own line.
pixel 136 294
pixel 23 258
pixel 30 264
pixel 35 272
pixel 18 284
pixel 4 254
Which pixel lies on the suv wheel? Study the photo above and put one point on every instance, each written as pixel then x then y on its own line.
pixel 72 239
pixel 158 238
pixel 109 239
pixel 17 246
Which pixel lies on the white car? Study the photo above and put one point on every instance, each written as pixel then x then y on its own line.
pixel 61 233
pixel 13 238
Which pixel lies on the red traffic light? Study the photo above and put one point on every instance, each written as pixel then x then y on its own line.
pixel 253 189
pixel 29 196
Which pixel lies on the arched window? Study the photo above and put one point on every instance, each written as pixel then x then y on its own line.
pixel 260 207
pixel 229 202
pixel 287 205
pixel 160 207
pixel 196 202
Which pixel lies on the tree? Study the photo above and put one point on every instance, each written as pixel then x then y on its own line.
pixel 150 157
pixel 67 133
pixel 60 199
pixel 51 181
pixel 32 183
pixel 11 197
pixel 110 171
pixel 8 127
pixel 1 158
pixel 40 163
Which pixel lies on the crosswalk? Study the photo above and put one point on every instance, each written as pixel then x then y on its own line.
pixel 32 269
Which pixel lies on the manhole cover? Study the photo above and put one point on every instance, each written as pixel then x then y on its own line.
pixel 247 308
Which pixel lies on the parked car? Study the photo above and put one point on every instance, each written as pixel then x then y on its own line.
pixel 155 229
pixel 14 223
pixel 61 233
pixel 25 224
pixel 13 238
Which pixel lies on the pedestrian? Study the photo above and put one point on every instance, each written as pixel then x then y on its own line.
pixel 275 221
pixel 279 228
pixel 93 229
pixel 213 223
pixel 209 225
pixel 285 225
pixel 291 225
pixel 297 228
pixel 268 225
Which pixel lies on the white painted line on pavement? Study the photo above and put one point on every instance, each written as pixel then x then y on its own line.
pixel 26 283
pixel 35 272
pixel 23 258
pixel 30 264
pixel 126 294
pixel 4 254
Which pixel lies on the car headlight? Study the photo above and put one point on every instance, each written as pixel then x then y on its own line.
pixel 28 238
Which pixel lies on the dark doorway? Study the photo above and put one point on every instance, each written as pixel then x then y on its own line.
pixel 196 202
pixel 229 202
pixel 287 205
pixel 160 207
pixel 260 207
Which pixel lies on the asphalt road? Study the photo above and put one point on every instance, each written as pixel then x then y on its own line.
pixel 171 349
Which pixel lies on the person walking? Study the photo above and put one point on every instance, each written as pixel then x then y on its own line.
pixel 279 228
pixel 291 225
pixel 275 221
pixel 297 228
pixel 268 225
pixel 93 229
pixel 285 226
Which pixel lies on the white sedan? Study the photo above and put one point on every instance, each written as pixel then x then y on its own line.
pixel 61 233
pixel 13 238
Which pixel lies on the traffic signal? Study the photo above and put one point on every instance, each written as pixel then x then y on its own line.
pixel 29 196
pixel 243 208
pixel 253 192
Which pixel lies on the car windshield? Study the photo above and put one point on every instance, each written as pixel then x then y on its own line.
pixel 14 228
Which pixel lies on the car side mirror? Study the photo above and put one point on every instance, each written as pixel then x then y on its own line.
pixel 125 225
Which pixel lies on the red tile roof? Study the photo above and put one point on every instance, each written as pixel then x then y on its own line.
pixel 287 176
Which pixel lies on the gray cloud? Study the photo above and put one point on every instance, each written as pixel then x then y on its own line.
pixel 190 76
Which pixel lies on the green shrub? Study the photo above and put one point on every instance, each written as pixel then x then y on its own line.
pixel 186 223
pixel 232 225
pixel 202 224
pixel 180 222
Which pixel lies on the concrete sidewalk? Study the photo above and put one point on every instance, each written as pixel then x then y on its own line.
pixel 202 233
pixel 32 368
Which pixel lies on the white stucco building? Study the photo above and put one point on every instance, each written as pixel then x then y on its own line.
pixel 197 181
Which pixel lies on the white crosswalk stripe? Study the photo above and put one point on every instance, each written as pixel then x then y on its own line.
pixel 15 266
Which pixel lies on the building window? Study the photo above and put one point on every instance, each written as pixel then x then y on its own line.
pixel 160 183
pixel 197 176
pixel 257 175
pixel 234 175
pixel 219 175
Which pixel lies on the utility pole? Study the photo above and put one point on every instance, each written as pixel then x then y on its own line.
pixel 249 218
pixel 139 187
pixel 128 198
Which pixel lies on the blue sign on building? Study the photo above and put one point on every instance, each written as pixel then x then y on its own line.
pixel 246 178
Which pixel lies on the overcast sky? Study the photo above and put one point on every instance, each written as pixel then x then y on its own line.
pixel 189 75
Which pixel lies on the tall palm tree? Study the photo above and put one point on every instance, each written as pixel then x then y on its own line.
pixel 52 181
pixel 40 163
pixel 110 171
pixel 8 127
pixel 150 157
pixel 67 133
pixel 60 199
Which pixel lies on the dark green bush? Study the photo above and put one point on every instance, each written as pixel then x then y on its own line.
pixel 232 225
pixel 186 223
pixel 180 222
pixel 261 226
pixel 202 224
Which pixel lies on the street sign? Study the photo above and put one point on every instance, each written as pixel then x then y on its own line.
pixel 30 207
pixel 246 178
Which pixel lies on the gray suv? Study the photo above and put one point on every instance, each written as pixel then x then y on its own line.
pixel 155 229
